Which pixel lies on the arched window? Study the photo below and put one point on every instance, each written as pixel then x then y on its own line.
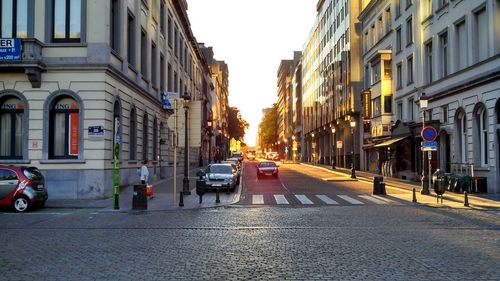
pixel 133 134
pixel 482 134
pixel 145 137
pixel 64 131
pixel 11 128
pixel 462 135
pixel 155 140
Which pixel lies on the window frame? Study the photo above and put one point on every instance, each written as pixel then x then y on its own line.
pixel 14 32
pixel 13 113
pixel 67 31
pixel 51 140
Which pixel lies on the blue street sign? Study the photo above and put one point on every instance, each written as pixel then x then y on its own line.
pixel 429 134
pixel 429 143
pixel 96 131
pixel 10 49
pixel 167 98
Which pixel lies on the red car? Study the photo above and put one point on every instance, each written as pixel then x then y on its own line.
pixel 22 188
pixel 267 168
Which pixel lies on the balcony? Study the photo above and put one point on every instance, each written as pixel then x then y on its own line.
pixel 30 63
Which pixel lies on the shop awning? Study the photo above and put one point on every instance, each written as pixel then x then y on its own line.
pixel 390 142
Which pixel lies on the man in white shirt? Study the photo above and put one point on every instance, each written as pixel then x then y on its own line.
pixel 144 172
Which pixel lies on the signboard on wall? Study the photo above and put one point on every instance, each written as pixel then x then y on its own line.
pixel 367 109
pixel 73 130
pixel 10 49
pixel 96 133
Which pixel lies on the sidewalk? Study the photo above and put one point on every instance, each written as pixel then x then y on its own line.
pixel 162 200
pixel 483 200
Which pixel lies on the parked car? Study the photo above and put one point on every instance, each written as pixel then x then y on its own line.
pixel 220 176
pixel 22 188
pixel 250 156
pixel 267 168
pixel 238 155
pixel 237 170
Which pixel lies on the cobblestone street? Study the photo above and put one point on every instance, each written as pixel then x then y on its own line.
pixel 252 243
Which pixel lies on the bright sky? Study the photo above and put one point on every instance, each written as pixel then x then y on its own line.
pixel 252 37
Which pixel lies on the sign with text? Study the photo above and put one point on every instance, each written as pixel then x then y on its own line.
pixel 10 49
pixel 96 133
pixel 367 109
pixel 168 100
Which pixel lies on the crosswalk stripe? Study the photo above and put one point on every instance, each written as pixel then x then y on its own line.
pixel 375 200
pixel 304 200
pixel 327 200
pixel 280 199
pixel 258 199
pixel 351 200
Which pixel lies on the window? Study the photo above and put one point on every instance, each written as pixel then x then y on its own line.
pixel 387 69
pixel 144 54
pixel 176 43
pixel 162 18
pixel 67 20
pixel 482 124
pixel 169 26
pixel 443 49
pixel 176 85
pixel 399 77
pixel 376 107
pixel 380 27
pixel 388 20
pixel 131 39
pixel 409 3
pixel 444 109
pixel 8 175
pixel 162 72
pixel 133 134
pixel 14 18
pixel 373 36
pixel 155 140
pixel 11 128
pixel 398 8
pixel 64 129
pixel 411 109
pixel 481 36
pixel 461 45
pixel 375 72
pixel 145 137
pixel 400 110
pixel 388 104
pixel 462 135
pixel 409 31
pixel 442 3
pixel 115 25
pixel 154 65
pixel 428 7
pixel 409 70
pixel 398 39
pixel 428 62
pixel 367 76
pixel 169 78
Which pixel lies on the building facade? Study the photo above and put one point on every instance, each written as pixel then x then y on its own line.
pixel 331 85
pixel 87 90
pixel 449 51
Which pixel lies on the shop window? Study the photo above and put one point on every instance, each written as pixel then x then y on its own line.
pixel 14 18
pixel 11 128
pixel 482 134
pixel 64 129
pixel 66 21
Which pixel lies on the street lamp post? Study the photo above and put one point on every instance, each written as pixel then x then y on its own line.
pixel 353 169
pixel 424 101
pixel 185 181
pixel 333 148
pixel 286 148
pixel 209 128
pixel 313 144
pixel 293 151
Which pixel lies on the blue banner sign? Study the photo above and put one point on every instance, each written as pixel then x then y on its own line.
pixel 168 99
pixel 429 143
pixel 10 49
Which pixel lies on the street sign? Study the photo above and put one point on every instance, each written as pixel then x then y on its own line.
pixel 10 49
pixel 167 100
pixel 339 144
pixel 429 146
pixel 429 133
pixel 429 143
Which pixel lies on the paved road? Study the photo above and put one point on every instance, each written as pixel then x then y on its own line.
pixel 377 242
pixel 299 185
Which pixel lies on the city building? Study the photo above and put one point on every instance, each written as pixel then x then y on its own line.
pixel 297 139
pixel 331 78
pixel 85 95
pixel 447 51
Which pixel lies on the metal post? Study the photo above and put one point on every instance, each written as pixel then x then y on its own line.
pixel 353 169
pixel 425 186
pixel 217 198
pixel 185 181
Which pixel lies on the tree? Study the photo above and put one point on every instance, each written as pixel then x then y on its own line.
pixel 269 127
pixel 236 124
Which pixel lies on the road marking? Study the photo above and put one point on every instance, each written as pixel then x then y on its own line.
pixel 327 200
pixel 351 200
pixel 304 200
pixel 258 199
pixel 280 199
pixel 375 200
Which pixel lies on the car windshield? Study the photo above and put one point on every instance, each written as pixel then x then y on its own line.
pixel 220 169
pixel 267 164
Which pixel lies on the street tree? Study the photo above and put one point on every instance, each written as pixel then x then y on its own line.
pixel 269 127
pixel 236 124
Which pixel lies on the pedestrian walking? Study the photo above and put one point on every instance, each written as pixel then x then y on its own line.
pixel 144 172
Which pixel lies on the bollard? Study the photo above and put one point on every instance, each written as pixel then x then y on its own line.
pixel 466 199
pixel 181 200
pixel 414 200
pixel 217 199
pixel 227 190
pixel 201 198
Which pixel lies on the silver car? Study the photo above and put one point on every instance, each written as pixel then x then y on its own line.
pixel 220 176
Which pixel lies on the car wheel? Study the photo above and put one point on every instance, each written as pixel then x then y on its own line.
pixel 41 204
pixel 21 204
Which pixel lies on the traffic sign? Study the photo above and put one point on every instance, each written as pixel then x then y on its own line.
pixel 429 143
pixel 429 133
pixel 429 146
